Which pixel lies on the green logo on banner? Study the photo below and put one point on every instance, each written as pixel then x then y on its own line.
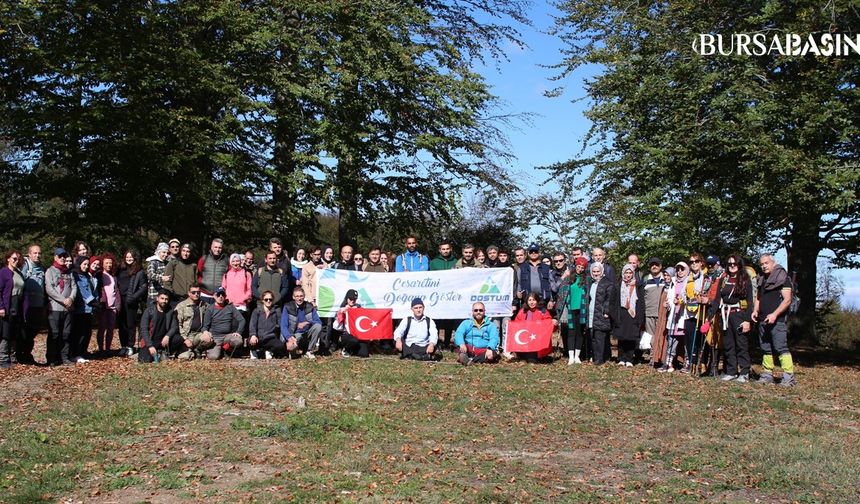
pixel 490 287
pixel 326 299
pixel 364 299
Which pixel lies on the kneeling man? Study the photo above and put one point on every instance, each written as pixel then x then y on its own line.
pixel 477 338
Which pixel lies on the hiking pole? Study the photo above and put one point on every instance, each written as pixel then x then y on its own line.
pixel 691 358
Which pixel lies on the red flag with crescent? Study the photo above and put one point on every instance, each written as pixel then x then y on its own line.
pixel 370 323
pixel 530 336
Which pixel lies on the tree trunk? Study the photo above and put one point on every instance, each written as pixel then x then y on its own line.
pixel 803 261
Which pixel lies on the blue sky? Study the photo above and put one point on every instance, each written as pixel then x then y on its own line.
pixel 558 126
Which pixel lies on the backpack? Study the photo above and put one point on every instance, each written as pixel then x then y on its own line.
pixel 409 323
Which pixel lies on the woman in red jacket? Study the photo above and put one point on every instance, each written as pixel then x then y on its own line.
pixel 533 310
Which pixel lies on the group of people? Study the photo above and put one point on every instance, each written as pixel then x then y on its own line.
pixel 173 305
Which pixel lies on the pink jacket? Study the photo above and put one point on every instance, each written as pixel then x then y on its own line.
pixel 237 283
pixel 110 297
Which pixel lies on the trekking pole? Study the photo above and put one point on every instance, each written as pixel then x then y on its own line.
pixel 692 356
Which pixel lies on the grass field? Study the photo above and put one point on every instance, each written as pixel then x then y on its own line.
pixel 386 430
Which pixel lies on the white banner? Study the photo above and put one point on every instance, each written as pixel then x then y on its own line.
pixel 446 294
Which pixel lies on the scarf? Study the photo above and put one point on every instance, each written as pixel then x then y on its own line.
pixel 776 279
pixel 63 270
pixel 298 264
pixel 629 296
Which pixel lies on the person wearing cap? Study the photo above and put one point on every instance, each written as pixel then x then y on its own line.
pixel 211 268
pixel 352 346
pixel 534 276
pixel 416 335
pixel 61 290
pixel 174 246
pixel 653 284
pixel 181 272
pixel 301 325
pixel 159 338
pixel 155 266
pixel 224 324
pixel 476 338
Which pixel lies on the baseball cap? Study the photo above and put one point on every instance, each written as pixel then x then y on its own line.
pixel 655 260
pixel 59 252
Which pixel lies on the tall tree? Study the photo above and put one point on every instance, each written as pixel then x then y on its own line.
pixel 754 152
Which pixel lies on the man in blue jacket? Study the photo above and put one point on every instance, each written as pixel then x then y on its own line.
pixel 411 260
pixel 301 325
pixel 477 338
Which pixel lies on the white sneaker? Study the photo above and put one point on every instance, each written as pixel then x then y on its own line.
pixel 628 364
pixel 570 361
pixel 310 356
pixel 254 355
pixel 577 360
pixel 81 360
pixel 621 363
pixel 268 355
pixel 344 353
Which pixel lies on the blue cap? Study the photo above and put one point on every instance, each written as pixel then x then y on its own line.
pixel 59 251
pixel 220 290
pixel 534 248
pixel 712 259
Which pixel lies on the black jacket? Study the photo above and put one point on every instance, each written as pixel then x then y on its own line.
pixel 136 287
pixel 605 303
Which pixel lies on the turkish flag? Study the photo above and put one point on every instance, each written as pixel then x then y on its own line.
pixel 370 323
pixel 530 336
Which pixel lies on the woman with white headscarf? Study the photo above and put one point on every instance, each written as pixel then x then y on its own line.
pixel 675 319
pixel 601 311
pixel 155 270
pixel 631 315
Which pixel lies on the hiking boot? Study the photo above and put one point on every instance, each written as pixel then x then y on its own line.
pixel 729 377
pixel 765 378
pixel 788 380
pixel 743 378
pixel 464 359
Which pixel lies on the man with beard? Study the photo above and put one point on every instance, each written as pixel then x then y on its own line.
pixel 446 259
pixel 158 335
pixel 224 324
pixel 468 260
pixel 211 268
pixel 182 272
pixel 411 260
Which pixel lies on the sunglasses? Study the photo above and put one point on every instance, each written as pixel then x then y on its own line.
pixel 695 261
pixel 359 258
pixel 478 311
pixel 220 294
pixel 732 264
pixel 268 300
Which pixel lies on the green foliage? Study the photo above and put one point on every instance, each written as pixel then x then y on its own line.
pixel 137 120
pixel 718 153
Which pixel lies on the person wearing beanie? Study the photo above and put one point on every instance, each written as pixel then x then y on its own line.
pixel 416 336
pixel 181 273
pixel 352 346
pixel 155 267
pixel 174 247
pixel 653 283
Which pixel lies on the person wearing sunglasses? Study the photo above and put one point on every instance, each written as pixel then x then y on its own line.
pixel 676 301
pixel 265 331
pixel 735 311
pixel 476 338
pixel 696 297
pixel 189 316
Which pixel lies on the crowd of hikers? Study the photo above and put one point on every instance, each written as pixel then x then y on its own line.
pixel 693 316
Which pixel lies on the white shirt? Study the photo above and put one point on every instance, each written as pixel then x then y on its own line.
pixel 418 333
